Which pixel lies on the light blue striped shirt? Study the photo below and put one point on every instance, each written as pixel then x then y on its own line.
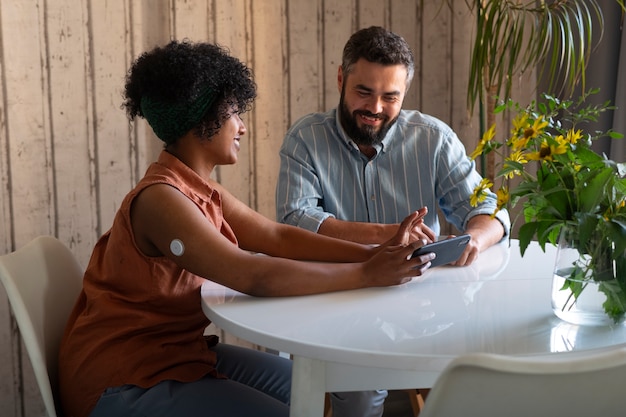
pixel 421 162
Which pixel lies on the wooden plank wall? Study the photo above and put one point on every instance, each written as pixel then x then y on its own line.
pixel 68 155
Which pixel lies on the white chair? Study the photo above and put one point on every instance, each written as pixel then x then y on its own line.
pixel 42 281
pixel 569 384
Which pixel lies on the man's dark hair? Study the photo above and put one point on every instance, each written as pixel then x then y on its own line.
pixel 378 45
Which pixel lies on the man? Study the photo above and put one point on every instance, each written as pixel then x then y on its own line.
pixel 356 171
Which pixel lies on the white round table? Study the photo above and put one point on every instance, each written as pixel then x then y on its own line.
pixel 404 336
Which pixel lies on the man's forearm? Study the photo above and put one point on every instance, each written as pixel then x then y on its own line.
pixel 485 231
pixel 368 233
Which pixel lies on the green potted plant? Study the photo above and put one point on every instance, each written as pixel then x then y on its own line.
pixel 570 196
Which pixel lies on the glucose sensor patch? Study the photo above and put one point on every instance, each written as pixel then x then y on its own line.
pixel 177 247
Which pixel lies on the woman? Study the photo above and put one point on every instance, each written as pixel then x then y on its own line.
pixel 134 344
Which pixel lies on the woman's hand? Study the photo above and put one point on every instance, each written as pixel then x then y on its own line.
pixel 392 262
pixel 394 265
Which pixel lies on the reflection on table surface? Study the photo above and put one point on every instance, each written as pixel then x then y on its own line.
pixel 499 304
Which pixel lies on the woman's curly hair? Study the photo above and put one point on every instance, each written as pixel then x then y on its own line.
pixel 175 77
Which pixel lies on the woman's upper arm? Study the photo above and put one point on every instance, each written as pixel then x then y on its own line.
pixel 161 214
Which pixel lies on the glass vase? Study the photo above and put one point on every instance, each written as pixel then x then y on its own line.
pixel 586 287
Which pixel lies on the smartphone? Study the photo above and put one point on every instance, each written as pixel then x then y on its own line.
pixel 447 250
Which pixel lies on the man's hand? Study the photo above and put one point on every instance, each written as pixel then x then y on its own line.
pixel 420 231
pixel 485 232
pixel 411 230
pixel 469 255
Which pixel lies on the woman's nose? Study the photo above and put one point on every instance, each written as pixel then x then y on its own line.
pixel 242 126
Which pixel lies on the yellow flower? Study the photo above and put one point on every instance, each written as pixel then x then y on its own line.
pixel 573 137
pixel 480 192
pixel 503 196
pixel 559 149
pixel 519 157
pixel 536 129
pixel 546 152
pixel 520 123
pixel 487 136
pixel 503 200
pixel 518 142
pixel 478 151
pixel 562 145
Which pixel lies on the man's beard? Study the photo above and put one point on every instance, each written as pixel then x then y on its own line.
pixel 365 135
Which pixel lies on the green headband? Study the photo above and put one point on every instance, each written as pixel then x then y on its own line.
pixel 171 121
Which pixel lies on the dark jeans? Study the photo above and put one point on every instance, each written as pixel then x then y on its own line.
pixel 259 384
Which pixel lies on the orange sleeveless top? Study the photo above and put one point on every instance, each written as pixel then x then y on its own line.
pixel 138 319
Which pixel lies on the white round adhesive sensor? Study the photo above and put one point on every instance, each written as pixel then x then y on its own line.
pixel 177 247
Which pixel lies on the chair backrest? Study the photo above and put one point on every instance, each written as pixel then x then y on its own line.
pixel 562 384
pixel 42 280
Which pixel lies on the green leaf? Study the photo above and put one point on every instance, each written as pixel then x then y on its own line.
pixel 558 203
pixel 594 190
pixel 547 231
pixel 615 304
pixel 526 234
pixel 587 226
